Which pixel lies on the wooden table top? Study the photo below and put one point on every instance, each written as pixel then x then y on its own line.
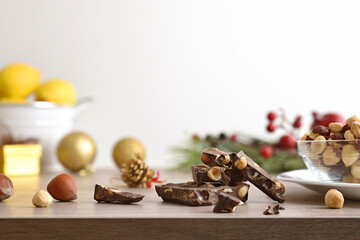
pixel 305 214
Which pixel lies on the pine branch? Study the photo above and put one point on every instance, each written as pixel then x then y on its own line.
pixel 190 154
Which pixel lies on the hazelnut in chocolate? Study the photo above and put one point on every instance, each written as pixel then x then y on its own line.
pixel 205 174
pixel 191 194
pixel 113 195
pixel 242 168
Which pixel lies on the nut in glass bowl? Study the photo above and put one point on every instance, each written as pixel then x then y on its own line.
pixel 332 160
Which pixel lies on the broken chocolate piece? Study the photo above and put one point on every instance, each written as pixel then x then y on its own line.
pixel 267 211
pixel 215 157
pixel 250 172
pixel 205 174
pixel 261 179
pixel 113 195
pixel 236 175
pixel 191 194
pixel 226 203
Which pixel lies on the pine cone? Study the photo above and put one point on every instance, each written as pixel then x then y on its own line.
pixel 135 173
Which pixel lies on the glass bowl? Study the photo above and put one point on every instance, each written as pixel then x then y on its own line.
pixel 332 160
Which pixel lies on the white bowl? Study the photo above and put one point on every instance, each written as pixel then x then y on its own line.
pixel 44 121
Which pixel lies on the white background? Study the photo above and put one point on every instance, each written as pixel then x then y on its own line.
pixel 161 69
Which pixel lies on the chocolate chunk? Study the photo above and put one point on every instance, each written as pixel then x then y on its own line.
pixel 205 174
pixel 191 194
pixel 113 195
pixel 226 203
pixel 267 211
pixel 277 208
pixel 236 175
pixel 252 172
pixel 337 136
pixel 345 128
pixel 321 130
pixel 261 179
pixel 215 157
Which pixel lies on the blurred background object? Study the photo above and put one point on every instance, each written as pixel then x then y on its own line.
pixel 161 69
pixel 77 151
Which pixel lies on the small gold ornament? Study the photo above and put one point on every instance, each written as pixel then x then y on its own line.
pixel 127 149
pixel 76 151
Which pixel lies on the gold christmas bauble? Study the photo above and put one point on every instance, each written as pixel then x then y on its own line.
pixel 76 151
pixel 127 149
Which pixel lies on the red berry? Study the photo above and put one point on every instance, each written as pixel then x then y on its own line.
pixel 271 116
pixel 267 151
pixel 287 141
pixel 297 122
pixel 233 138
pixel 195 137
pixel 271 127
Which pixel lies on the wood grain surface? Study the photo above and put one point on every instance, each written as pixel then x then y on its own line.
pixel 305 216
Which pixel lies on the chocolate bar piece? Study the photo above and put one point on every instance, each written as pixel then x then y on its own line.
pixel 205 174
pixel 113 195
pixel 242 168
pixel 215 157
pixel 226 203
pixel 260 178
pixel 191 194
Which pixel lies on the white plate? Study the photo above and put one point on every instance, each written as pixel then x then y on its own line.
pixel 304 178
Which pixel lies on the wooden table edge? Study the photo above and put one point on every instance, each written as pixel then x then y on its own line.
pixel 180 228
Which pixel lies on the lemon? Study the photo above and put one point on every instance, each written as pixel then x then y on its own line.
pixel 14 100
pixel 18 80
pixel 58 91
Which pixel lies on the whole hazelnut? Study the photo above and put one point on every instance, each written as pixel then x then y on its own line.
pixel 352 119
pixel 348 135
pixel 355 128
pixel 63 188
pixel 355 169
pixel 318 145
pixel 305 136
pixel 334 199
pixel 335 127
pixel 331 156
pixel 6 187
pixel 349 154
pixel 42 199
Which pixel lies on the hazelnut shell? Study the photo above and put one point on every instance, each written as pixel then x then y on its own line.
pixel 6 187
pixel 63 188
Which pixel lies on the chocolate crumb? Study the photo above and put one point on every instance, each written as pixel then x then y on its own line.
pixel 275 209
pixel 267 211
